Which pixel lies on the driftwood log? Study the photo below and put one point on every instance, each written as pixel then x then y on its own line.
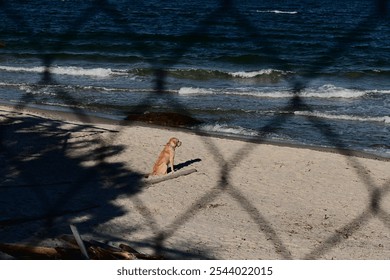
pixel 28 252
pixel 158 179
pixel 75 248
pixel 96 251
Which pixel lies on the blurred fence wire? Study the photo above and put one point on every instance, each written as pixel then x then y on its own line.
pixel 56 204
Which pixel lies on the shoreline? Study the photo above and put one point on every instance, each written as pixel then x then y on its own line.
pixel 96 118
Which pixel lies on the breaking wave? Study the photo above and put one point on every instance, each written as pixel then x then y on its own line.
pixel 325 91
pixel 381 119
pixel 254 74
pixel 205 74
pixel 277 12
pixel 188 91
pixel 66 70
pixel 227 129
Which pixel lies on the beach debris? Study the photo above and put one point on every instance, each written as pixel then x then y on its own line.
pixel 21 251
pixel 74 248
pixel 71 251
pixel 164 119
pixel 158 179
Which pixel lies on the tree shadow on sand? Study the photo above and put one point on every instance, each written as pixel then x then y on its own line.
pixel 53 174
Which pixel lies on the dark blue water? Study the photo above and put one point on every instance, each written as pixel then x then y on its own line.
pixel 236 65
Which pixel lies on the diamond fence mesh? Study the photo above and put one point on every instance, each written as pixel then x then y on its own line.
pixel 67 191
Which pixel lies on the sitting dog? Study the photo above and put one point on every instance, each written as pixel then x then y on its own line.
pixel 166 158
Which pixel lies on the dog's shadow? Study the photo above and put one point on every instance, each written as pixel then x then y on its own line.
pixel 185 164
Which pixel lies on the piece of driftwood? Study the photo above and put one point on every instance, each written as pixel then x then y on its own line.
pixel 74 247
pixel 104 254
pixel 21 251
pixel 95 252
pixel 139 256
pixel 69 240
pixel 100 250
pixel 158 179
pixel 127 248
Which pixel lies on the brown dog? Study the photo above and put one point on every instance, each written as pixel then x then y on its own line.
pixel 166 158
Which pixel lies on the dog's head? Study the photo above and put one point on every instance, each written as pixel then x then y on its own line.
pixel 174 142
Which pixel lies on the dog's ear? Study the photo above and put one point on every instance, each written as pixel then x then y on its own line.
pixel 171 142
pixel 174 142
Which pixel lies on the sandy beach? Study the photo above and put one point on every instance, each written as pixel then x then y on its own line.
pixel 246 200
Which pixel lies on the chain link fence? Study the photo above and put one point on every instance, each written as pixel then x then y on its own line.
pixel 67 192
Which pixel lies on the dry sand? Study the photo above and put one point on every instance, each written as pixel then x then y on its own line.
pixel 246 200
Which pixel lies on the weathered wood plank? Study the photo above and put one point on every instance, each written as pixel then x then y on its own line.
pixel 158 179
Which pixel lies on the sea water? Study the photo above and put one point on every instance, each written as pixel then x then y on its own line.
pixel 305 72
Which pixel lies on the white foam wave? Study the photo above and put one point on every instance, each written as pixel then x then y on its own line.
pixel 326 91
pixel 10 84
pixel 384 119
pixel 379 91
pixel 226 129
pixel 253 74
pixel 65 70
pixel 331 91
pixel 185 91
pixel 42 90
pixel 37 69
pixel 264 94
pixel 78 71
pixel 277 12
